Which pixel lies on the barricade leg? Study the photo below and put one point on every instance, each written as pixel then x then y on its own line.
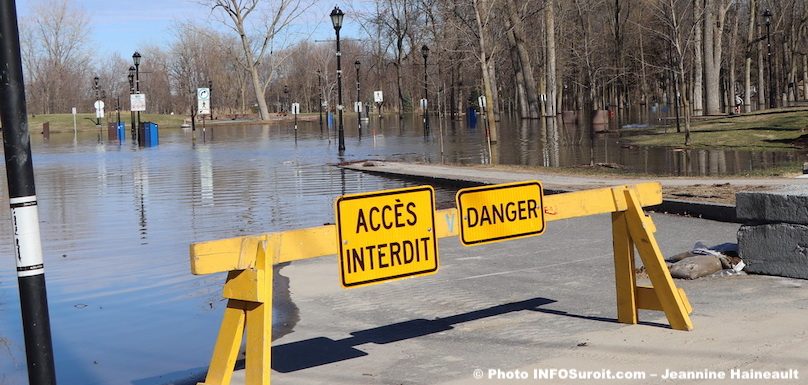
pixel 259 343
pixel 228 343
pixel 249 307
pixel 624 278
pixel 669 298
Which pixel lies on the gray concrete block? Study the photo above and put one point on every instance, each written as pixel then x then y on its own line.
pixel 775 249
pixel 788 205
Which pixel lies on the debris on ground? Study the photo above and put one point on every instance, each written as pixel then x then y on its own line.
pixel 720 260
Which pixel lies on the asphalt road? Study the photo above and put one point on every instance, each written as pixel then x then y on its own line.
pixel 542 302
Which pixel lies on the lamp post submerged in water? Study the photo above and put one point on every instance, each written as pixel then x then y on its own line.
pixel 336 20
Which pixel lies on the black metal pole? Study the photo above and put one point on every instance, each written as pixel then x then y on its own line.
pixel 23 203
pixel 137 91
pixel 358 101
pixel 320 90
pixel 132 113
pixel 426 102
pixel 772 102
pixel 118 111
pixel 339 98
pixel 210 98
pixel 95 87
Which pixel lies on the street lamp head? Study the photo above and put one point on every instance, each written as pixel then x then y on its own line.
pixel 210 84
pixel 768 15
pixel 356 65
pixel 336 18
pixel 136 58
pixel 285 89
pixel 95 82
pixel 424 51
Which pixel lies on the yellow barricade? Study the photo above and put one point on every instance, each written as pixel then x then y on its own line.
pixel 249 260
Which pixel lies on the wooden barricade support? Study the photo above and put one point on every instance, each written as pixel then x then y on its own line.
pixel 249 260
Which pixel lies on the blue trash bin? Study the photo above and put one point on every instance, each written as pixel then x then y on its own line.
pixel 154 135
pixel 121 131
pixel 151 135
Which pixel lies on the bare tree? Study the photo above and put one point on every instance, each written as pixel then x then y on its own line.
pixel 55 55
pixel 715 13
pixel 275 16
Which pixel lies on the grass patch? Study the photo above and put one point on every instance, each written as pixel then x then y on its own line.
pixel 86 122
pixel 765 130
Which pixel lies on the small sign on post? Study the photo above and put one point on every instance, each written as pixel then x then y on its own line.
pixel 138 102
pixel 386 235
pixel 424 103
pixel 99 109
pixel 481 101
pixel 295 108
pixel 203 101
pixel 357 107
pixel 378 97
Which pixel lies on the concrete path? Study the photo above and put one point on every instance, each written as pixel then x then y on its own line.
pixel 491 175
pixel 538 303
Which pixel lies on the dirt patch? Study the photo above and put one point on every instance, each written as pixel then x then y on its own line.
pixel 716 193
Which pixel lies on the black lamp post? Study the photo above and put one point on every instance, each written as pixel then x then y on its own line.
pixel 97 98
pixel 336 21
pixel 285 105
pixel 320 93
pixel 768 15
pixel 136 60
pixel 210 98
pixel 131 78
pixel 358 98
pixel 425 53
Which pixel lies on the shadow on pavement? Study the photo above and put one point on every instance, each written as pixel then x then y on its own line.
pixel 319 351
pixel 594 318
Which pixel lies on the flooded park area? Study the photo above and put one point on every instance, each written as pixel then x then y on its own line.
pixel 117 222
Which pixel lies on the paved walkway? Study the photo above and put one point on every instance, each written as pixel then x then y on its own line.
pixel 486 174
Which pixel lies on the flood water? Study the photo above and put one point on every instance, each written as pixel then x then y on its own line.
pixel 117 220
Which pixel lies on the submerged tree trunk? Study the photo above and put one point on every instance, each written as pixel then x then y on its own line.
pixel 480 13
pixel 521 95
pixel 525 64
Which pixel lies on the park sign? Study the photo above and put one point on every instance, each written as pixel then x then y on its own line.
pixel 500 212
pixel 203 101
pixel 386 235
pixel 137 102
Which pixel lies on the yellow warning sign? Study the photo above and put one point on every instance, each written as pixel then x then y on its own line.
pixel 386 235
pixel 500 212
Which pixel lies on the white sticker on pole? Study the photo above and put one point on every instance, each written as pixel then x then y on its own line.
pixel 28 246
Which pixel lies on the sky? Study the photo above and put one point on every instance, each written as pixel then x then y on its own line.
pixel 124 26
